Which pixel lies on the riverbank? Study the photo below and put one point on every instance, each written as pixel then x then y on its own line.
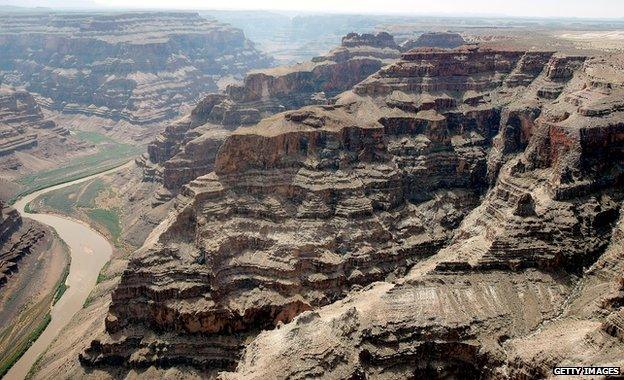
pixel 91 202
pixel 90 251
pixel 26 301
pixel 62 182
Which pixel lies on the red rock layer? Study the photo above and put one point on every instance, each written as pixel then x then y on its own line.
pixel 16 241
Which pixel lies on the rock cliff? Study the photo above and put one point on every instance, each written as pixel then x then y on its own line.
pixel 138 67
pixel 187 148
pixel 450 215
pixel 16 240
pixel 447 40
pixel 530 279
pixel 28 140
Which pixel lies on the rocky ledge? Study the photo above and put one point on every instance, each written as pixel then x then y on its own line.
pixel 138 67
pixel 187 148
pixel 452 214
pixel 16 240
pixel 29 140
pixel 448 40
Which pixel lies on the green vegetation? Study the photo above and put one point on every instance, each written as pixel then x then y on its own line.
pixel 27 209
pixel 81 197
pixel 107 218
pixel 60 199
pixel 81 167
pixel 61 286
pixel 68 198
pixel 110 154
pixel 87 198
pixel 34 368
pixel 101 276
pixel 7 363
pixel 94 137
pixel 38 317
pixel 73 178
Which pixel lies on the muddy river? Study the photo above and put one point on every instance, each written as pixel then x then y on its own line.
pixel 89 252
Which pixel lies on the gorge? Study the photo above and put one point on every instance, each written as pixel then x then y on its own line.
pixel 137 67
pixel 448 205
pixel 465 179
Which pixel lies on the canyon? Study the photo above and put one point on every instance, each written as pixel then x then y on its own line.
pixel 435 205
pixel 33 264
pixel 81 93
pixel 84 92
pixel 30 142
pixel 139 67
pixel 88 251
pixel 456 212
pixel 186 149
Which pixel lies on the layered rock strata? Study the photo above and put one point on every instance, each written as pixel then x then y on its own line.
pixel 28 140
pixel 448 40
pixel 446 176
pixel 16 240
pixel 137 67
pixel 20 115
pixel 187 148
pixel 530 280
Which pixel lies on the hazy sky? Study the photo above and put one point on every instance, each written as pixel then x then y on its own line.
pixel 540 8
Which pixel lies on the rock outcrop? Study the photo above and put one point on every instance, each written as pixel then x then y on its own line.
pixel 138 67
pixel 428 223
pixel 10 221
pixel 16 240
pixel 29 140
pixel 187 148
pixel 20 116
pixel 448 40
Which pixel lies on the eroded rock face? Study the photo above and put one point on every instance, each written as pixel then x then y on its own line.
pixel 139 67
pixel 19 114
pixel 440 326
pixel 358 57
pixel 446 176
pixel 16 240
pixel 379 40
pixel 187 148
pixel 555 208
pixel 448 40
pixel 9 221
pixel 27 138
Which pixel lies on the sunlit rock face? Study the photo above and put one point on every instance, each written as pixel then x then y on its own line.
pixel 188 146
pixel 139 67
pixel 435 221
